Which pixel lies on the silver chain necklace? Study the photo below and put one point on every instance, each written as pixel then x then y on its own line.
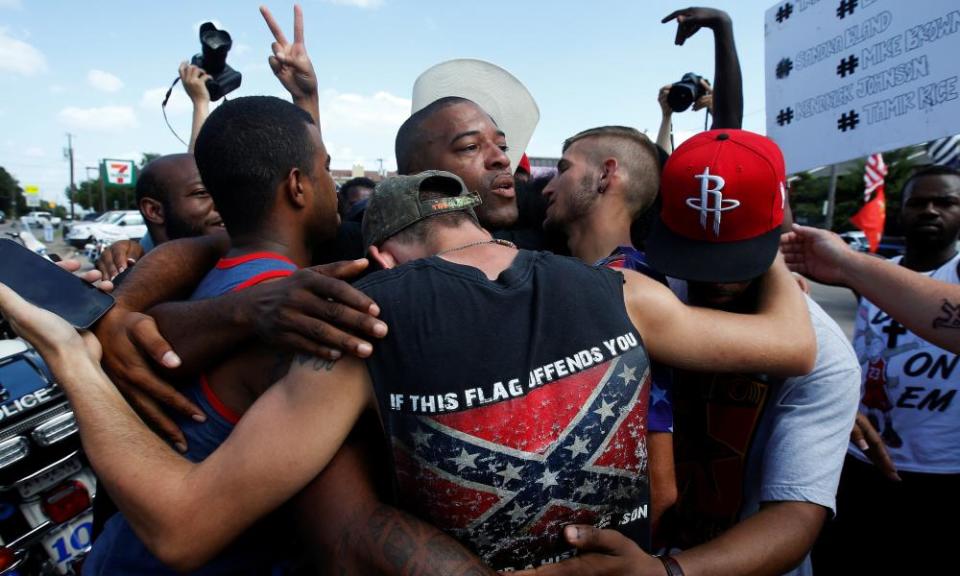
pixel 497 241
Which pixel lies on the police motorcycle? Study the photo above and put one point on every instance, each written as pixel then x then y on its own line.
pixel 46 484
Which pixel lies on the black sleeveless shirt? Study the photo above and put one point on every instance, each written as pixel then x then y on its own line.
pixel 516 406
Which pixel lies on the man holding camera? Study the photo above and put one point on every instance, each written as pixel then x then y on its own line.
pixel 695 90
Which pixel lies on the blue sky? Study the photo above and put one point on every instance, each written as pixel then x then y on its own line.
pixel 99 69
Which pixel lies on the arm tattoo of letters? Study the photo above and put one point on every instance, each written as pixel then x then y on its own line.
pixel 950 318
pixel 313 362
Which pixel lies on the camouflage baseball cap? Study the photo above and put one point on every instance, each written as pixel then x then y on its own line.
pixel 396 205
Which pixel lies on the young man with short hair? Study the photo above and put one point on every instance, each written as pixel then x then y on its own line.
pixel 505 429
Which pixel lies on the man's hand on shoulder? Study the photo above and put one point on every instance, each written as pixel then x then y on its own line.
pixel 118 257
pixel 130 342
pixel 817 254
pixel 315 311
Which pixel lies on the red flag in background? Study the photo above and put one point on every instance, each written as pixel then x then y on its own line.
pixel 873 215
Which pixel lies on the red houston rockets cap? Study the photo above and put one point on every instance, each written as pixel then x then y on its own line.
pixel 723 195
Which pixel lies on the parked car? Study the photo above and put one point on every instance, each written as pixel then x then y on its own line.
pixel 82 233
pixel 856 240
pixel 37 218
pixel 3 216
pixel 891 246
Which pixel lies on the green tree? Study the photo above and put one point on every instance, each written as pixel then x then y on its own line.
pixel 808 193
pixel 11 195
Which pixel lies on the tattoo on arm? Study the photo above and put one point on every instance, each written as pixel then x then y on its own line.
pixel 313 362
pixel 950 317
pixel 400 544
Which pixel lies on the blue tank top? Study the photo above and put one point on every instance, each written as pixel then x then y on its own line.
pixel 118 551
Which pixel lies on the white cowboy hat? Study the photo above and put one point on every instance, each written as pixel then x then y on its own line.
pixel 494 89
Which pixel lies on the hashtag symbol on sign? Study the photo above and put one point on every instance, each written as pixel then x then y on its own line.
pixel 784 67
pixel 784 12
pixel 785 117
pixel 848 121
pixel 846 8
pixel 847 66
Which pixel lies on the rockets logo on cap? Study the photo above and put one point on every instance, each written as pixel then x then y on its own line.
pixel 703 203
pixel 723 197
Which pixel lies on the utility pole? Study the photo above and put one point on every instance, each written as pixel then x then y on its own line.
pixel 73 189
pixel 831 197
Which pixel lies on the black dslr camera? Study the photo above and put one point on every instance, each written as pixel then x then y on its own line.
pixel 685 92
pixel 215 44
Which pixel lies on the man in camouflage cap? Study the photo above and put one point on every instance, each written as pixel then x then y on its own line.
pixel 512 389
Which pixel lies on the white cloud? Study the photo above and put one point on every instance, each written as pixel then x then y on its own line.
pixel 381 109
pixel 104 81
pixel 361 128
pixel 178 104
pixel 34 152
pixel 365 4
pixel 56 88
pixel 19 57
pixel 10 4
pixel 102 119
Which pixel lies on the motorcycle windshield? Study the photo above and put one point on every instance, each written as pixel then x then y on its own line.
pixel 21 387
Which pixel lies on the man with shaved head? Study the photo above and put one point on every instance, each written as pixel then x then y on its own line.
pixel 173 200
pixel 174 204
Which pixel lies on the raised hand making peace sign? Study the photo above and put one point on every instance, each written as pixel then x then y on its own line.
pixel 291 64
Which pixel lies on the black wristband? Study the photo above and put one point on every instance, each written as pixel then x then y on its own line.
pixel 671 564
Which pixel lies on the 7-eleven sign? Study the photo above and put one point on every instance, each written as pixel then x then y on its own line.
pixel 119 172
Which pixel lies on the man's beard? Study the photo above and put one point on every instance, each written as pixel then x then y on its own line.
pixel 176 227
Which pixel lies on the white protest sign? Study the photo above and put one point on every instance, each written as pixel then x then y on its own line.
pixel 847 78
pixel 119 172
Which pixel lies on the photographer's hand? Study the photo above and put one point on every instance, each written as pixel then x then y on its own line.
pixel 705 101
pixel 291 64
pixel 194 80
pixel 666 127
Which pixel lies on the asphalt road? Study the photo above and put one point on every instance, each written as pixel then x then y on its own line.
pixel 839 303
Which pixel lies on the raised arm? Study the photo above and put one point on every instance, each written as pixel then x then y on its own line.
pixel 928 307
pixel 291 64
pixel 664 134
pixel 727 80
pixel 187 512
pixel 194 80
pixel 778 339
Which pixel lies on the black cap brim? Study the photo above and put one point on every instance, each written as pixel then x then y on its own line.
pixel 699 261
